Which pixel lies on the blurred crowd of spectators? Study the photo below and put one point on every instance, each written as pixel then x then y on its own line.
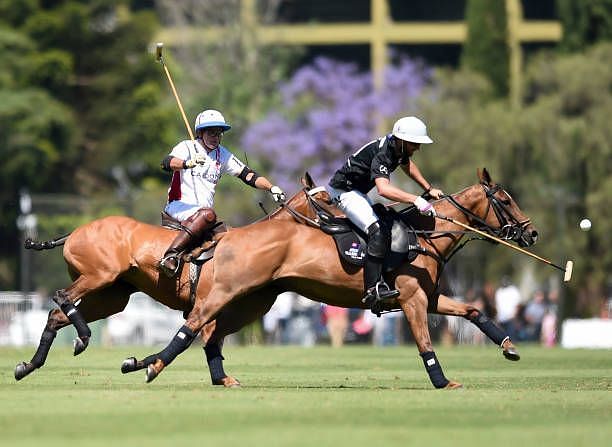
pixel 297 320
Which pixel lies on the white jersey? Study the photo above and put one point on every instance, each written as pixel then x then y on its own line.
pixel 192 189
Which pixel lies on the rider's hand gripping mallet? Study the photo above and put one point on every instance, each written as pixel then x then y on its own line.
pixel 160 59
pixel 569 266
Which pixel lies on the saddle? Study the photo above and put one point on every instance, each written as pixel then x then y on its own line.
pixel 351 242
pixel 198 255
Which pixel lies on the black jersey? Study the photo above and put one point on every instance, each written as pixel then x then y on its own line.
pixel 376 159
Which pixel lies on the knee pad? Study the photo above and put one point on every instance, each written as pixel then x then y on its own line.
pixel 378 240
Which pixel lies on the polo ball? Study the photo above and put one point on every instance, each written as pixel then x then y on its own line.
pixel 585 224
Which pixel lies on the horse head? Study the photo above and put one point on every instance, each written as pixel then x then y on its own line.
pixel 502 215
pixel 302 201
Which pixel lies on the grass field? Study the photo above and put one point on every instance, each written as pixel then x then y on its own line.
pixel 354 396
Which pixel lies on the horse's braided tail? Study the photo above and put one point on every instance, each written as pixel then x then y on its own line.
pixel 45 245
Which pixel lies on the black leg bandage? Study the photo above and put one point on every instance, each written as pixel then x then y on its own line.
pixel 73 315
pixel 181 341
pixel 46 340
pixel 215 361
pixel 434 369
pixel 488 327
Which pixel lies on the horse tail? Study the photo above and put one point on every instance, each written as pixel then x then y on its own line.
pixel 45 245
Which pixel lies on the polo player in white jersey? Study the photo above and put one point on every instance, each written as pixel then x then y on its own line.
pixel 197 167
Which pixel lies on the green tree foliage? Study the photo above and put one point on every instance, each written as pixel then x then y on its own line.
pixel 584 23
pixel 486 48
pixel 80 93
pixel 554 157
pixel 567 134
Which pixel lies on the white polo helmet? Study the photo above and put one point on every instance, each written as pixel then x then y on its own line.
pixel 412 129
pixel 211 118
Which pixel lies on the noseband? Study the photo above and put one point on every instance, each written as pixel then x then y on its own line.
pixel 510 228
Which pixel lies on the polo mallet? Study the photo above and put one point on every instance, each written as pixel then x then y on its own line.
pixel 160 59
pixel 569 266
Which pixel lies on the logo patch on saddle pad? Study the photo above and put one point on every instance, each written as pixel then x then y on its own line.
pixel 351 247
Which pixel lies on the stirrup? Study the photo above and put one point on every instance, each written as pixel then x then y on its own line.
pixel 380 292
pixel 170 273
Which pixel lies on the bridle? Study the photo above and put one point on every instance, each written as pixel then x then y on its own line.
pixel 510 228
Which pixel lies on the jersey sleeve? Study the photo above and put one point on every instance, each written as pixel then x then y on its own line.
pixel 180 151
pixel 231 164
pixel 381 166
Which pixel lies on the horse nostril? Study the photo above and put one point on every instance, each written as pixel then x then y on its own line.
pixel 534 235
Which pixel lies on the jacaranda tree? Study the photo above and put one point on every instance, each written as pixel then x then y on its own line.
pixel 328 110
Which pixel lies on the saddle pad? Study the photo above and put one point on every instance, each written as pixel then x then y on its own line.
pixel 404 248
pixel 351 247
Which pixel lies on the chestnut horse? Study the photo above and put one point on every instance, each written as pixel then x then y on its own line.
pixel 289 255
pixel 110 258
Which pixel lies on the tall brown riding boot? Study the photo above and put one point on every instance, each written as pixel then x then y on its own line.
pixel 194 229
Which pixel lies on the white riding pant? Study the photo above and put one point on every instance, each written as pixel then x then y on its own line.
pixel 356 205
pixel 181 210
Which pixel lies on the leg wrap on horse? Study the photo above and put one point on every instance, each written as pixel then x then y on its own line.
pixel 73 314
pixel 46 340
pixel 434 369
pixel 488 327
pixel 215 361
pixel 181 341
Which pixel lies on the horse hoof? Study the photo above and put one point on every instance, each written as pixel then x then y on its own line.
pixel 512 354
pixel 151 373
pixel 23 369
pixel 227 382
pixel 80 345
pixel 453 386
pixel 129 365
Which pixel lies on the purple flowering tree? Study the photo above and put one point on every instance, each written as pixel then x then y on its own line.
pixel 329 110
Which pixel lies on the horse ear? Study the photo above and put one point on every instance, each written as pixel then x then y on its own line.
pixel 307 181
pixel 483 176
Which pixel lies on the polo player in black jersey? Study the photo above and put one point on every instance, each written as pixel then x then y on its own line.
pixel 372 166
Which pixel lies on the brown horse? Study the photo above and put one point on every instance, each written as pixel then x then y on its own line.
pixel 287 255
pixel 110 258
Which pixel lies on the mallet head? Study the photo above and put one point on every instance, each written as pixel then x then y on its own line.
pixel 569 268
pixel 158 52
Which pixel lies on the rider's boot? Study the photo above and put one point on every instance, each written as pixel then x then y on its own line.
pixel 194 229
pixel 376 289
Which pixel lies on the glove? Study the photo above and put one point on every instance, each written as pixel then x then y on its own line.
pixel 199 159
pixel 277 194
pixel 425 207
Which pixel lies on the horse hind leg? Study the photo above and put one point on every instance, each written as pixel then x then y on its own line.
pixel 55 321
pixel 448 306
pixel 69 309
pixel 97 305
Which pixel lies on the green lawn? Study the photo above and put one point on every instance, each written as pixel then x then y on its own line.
pixel 354 396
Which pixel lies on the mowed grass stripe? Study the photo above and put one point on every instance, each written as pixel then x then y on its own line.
pixel 354 396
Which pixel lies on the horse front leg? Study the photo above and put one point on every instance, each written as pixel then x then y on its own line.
pixel 203 312
pixel 213 344
pixel 414 306
pixel 448 306
pixel 55 321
